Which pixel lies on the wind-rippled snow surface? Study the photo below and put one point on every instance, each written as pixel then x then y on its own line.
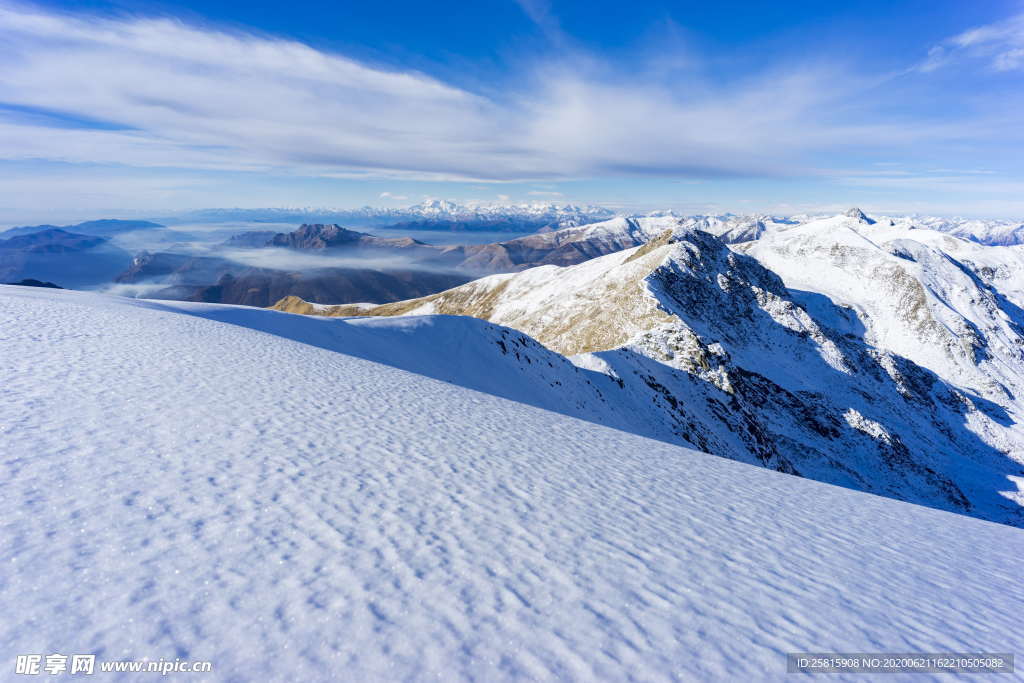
pixel 174 485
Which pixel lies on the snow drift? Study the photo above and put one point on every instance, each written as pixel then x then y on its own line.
pixel 255 489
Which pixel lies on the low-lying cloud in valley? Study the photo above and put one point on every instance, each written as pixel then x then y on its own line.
pixel 181 260
pixel 278 258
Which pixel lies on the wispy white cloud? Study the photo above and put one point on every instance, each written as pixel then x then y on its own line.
pixel 1000 45
pixel 942 180
pixel 541 14
pixel 188 97
pixel 392 197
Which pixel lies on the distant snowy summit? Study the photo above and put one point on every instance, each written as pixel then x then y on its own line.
pixel 856 214
pixel 445 215
pixel 991 232
pixel 441 214
pixel 432 214
pixel 733 228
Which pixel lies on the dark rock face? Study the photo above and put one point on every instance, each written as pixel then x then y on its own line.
pixel 249 240
pixel 318 236
pixel 859 215
pixel 803 397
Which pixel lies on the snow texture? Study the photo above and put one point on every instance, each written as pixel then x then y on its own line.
pixel 252 488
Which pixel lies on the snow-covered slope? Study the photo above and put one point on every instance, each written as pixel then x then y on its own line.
pixel 246 487
pixel 733 229
pixel 982 231
pixel 631 231
pixel 949 305
pixel 693 343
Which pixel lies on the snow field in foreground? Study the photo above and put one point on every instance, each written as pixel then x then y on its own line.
pixel 177 486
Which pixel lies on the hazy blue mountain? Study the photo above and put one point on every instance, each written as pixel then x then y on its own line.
pixel 57 255
pixel 104 228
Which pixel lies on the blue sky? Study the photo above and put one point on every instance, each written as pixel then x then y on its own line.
pixel 702 107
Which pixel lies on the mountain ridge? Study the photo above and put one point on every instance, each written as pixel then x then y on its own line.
pixel 712 350
pixel 104 227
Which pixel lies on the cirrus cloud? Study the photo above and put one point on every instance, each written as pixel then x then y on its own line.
pixel 1000 44
pixel 150 92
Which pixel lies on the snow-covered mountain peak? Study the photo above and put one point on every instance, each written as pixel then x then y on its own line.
pixel 859 215
pixel 990 232
pixel 436 206
pixel 444 207
pixel 715 351
pixel 924 295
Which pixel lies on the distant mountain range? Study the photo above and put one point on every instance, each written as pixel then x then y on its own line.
pixel 330 263
pixel 430 215
pixel 219 280
pixel 104 228
pixel 404 267
pixel 339 265
pixel 442 215
pixel 56 255
pixel 540 216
